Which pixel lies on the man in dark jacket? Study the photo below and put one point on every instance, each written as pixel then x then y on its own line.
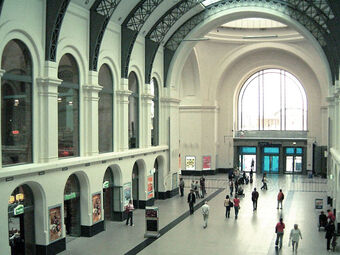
pixel 330 229
pixel 191 201
pixel 254 198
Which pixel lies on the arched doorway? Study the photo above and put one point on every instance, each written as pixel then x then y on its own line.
pixel 135 185
pixel 21 221
pixel 72 206
pixel 155 179
pixel 108 194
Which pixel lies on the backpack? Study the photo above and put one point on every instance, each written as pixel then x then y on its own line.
pixel 231 204
pixel 283 196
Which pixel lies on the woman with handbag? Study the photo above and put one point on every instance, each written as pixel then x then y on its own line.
pixel 227 205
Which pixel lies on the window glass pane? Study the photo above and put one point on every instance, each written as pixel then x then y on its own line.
pixel 290 150
pixel 68 108
pixel 272 109
pixel 133 111
pixel 298 150
pixel 105 108
pixel 294 106
pixel 249 105
pixel 248 150
pixel 16 105
pixel 154 112
pixel 271 150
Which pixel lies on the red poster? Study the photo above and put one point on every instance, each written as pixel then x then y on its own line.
pixel 150 186
pixel 206 162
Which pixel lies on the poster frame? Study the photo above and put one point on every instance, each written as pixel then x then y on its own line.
pixel 101 206
pixel 203 157
pixel 61 207
pixel 186 160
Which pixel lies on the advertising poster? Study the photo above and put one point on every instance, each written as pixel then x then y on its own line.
pixel 96 208
pixel 55 223
pixel 318 203
pixel 190 163
pixel 127 193
pixel 150 187
pixel 206 162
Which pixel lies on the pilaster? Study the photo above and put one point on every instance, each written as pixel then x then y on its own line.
pixel 48 118
pixel 146 120
pixel 1 74
pixel 123 111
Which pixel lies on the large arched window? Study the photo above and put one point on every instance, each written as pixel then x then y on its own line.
pixel 154 112
pixel 272 99
pixel 133 111
pixel 105 108
pixel 16 104
pixel 68 107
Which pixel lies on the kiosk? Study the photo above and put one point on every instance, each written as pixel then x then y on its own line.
pixel 151 222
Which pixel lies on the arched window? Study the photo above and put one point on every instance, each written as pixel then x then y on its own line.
pixel 154 113
pixel 272 99
pixel 133 111
pixel 68 107
pixel 16 104
pixel 105 109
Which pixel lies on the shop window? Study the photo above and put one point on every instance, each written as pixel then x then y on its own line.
pixel 16 104
pixel 105 110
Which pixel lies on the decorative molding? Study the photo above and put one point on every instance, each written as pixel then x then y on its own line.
pixel 170 100
pixel 92 88
pixel 55 82
pixel 123 93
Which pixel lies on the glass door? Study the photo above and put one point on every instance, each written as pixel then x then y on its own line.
pixel 294 160
pixel 247 158
pixel 271 159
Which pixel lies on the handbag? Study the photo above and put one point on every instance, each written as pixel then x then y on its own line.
pixel 231 204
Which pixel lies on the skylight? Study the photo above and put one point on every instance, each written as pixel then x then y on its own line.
pixel 208 2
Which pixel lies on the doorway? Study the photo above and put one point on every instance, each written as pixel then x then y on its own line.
pixel 72 206
pixel 294 160
pixel 155 179
pixel 247 158
pixel 108 194
pixel 271 159
pixel 135 185
pixel 21 221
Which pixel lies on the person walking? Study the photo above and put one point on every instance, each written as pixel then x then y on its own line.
pixel 254 198
pixel 181 186
pixel 191 201
pixel 330 215
pixel 236 205
pixel 205 213
pixel 202 186
pixel 196 189
pixel 227 205
pixel 330 229
pixel 264 181
pixel 279 230
pixel 294 237
pixel 280 198
pixel 231 187
pixel 129 209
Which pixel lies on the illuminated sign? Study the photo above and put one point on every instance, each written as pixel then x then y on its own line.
pixel 18 210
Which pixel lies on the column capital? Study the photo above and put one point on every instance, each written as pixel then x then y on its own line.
pixel 170 100
pixel 92 88
pixel 123 93
pixel 147 96
pixel 47 81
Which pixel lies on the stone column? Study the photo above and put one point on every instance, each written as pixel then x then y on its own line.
pixel 122 120
pixel 48 122
pixel 91 99
pixel 1 74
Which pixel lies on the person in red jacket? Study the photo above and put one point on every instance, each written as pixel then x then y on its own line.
pixel 279 230
pixel 280 198
pixel 236 206
pixel 330 215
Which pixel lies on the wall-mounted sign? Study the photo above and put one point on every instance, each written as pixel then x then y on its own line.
pixel 127 193
pixel 19 197
pixel 70 196
pixel 106 184
pixel 318 203
pixel 190 163
pixel 206 162
pixel 150 187
pixel 96 208
pixel 55 223
pixel 19 210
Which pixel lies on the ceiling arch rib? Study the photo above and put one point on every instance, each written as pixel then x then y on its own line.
pixel 55 12
pixel 130 29
pixel 299 12
pixel 100 14
pixel 159 30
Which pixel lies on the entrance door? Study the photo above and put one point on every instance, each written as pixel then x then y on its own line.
pixel 293 164
pixel 247 162
pixel 271 164
pixel 108 194
pixel 155 180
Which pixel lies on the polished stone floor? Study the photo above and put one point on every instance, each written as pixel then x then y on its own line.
pixel 252 233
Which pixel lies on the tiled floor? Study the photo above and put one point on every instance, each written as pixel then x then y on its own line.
pixel 252 233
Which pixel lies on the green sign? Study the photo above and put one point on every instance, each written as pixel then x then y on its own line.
pixel 106 184
pixel 70 196
pixel 19 210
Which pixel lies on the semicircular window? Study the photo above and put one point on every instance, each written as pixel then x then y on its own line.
pixel 272 99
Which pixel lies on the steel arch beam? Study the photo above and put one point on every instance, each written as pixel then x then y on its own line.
pixel 1 4
pixel 322 34
pixel 55 12
pixel 130 29
pixel 100 14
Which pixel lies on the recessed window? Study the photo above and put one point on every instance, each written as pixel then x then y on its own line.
pixel 272 99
